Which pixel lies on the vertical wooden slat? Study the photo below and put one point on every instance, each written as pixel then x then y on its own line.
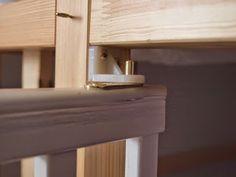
pixel 27 167
pixel 72 52
pixel 62 164
pixel 72 44
pixel 31 73
pixel 80 162
pixel 10 170
pixel 105 160
pixel 31 68
pixel 142 156
pixel 30 79
pixel 149 156
pixel 40 166
pixel 71 72
pixel 132 157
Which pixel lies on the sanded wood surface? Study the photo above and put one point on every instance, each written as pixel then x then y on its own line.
pixel 72 44
pixel 31 68
pixel 105 160
pixel 148 22
pixel 30 79
pixel 41 122
pixel 27 23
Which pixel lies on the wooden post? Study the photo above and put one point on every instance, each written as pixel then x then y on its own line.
pixel 72 44
pixel 72 52
pixel 31 68
pixel 30 79
pixel 133 157
pixel 57 165
pixel 27 167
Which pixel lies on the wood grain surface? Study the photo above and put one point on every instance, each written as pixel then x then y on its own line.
pixel 27 23
pixel 44 122
pixel 148 22
pixel 105 160
pixel 72 44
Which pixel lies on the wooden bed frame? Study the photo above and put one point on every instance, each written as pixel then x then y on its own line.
pixel 48 30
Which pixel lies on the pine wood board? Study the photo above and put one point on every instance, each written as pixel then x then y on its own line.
pixel 164 22
pixel 27 23
pixel 72 44
pixel 144 23
pixel 105 160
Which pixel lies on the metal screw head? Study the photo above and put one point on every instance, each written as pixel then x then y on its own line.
pixel 104 55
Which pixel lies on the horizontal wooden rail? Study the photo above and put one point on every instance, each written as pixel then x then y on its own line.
pixel 163 22
pixel 27 23
pixel 143 23
pixel 182 161
pixel 49 121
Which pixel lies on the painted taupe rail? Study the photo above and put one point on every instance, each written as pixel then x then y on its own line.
pixel 56 122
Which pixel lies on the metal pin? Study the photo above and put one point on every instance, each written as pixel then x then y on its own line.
pixel 129 67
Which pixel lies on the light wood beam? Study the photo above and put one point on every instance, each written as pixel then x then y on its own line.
pixel 105 160
pixel 162 22
pixel 72 44
pixel 28 167
pixel 30 79
pixel 31 68
pixel 72 52
pixel 27 23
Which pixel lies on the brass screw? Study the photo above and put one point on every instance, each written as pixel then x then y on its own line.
pixel 104 55
pixel 65 15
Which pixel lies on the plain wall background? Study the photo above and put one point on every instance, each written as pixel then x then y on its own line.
pixel 10 70
pixel 201 102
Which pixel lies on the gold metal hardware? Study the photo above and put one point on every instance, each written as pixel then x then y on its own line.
pixel 105 72
pixel 129 67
